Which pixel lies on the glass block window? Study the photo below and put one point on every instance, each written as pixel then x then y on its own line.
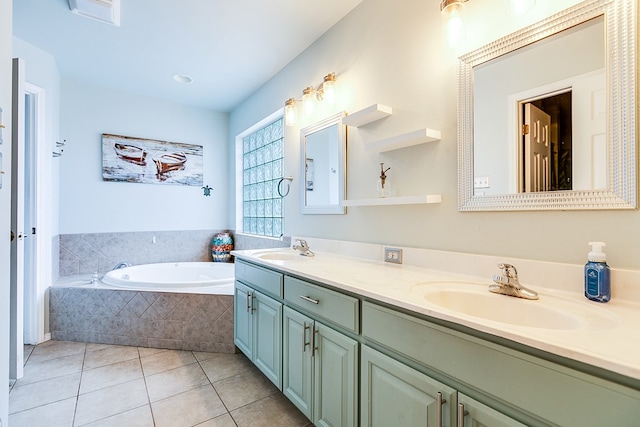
pixel 263 166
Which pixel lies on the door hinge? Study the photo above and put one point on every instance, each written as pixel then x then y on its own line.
pixel 525 129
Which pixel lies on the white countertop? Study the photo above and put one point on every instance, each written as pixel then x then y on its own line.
pixel 613 344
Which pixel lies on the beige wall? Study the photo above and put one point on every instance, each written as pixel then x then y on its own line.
pixel 395 53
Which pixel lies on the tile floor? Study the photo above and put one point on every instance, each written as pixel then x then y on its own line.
pixel 70 384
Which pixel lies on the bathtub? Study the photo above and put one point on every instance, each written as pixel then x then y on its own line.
pixel 204 277
pixel 184 306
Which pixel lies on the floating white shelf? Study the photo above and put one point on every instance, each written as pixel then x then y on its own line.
pixel 417 137
pixel 403 200
pixel 367 115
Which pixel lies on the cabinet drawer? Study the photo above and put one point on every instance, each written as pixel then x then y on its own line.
pixel 556 394
pixel 332 306
pixel 268 281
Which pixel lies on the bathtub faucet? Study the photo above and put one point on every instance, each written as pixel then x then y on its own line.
pixel 303 248
pixel 121 265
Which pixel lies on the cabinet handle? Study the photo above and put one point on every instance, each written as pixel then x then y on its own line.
pixel 314 341
pixel 253 296
pixel 304 336
pixel 439 402
pixel 309 299
pixel 461 414
pixel 248 302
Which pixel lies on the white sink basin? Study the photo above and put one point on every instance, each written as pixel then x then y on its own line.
pixel 285 255
pixel 548 312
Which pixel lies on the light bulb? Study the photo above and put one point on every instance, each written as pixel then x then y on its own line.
pixel 307 100
pixel 328 88
pixel 455 30
pixel 290 112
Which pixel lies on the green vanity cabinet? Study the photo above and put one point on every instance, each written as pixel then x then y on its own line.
pixel 296 357
pixel 393 394
pixel 531 390
pixel 346 360
pixel 472 413
pixel 258 330
pixel 320 370
pixel 243 319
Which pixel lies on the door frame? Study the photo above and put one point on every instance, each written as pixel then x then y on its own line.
pixel 34 326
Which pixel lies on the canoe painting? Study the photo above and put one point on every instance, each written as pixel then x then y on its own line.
pixel 128 159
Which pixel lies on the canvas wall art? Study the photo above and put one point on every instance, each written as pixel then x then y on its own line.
pixel 150 161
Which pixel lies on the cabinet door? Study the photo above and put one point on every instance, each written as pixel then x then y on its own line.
pixel 267 333
pixel 476 414
pixel 336 378
pixel 394 394
pixel 242 319
pixel 297 353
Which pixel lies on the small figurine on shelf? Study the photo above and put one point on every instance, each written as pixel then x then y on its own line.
pixel 221 247
pixel 384 186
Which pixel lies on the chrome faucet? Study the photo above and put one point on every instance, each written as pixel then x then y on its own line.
pixel 121 265
pixel 506 283
pixel 303 248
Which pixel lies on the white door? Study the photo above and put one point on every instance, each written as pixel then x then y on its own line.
pixel 537 149
pixel 17 223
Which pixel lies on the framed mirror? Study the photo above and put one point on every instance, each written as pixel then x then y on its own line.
pixel 547 115
pixel 323 152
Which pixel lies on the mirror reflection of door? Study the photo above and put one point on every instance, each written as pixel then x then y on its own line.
pixel 547 143
pixel 537 149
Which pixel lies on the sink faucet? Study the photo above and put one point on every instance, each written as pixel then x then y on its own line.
pixel 303 248
pixel 506 283
pixel 121 265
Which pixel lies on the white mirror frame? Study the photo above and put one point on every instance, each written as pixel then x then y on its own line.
pixel 620 27
pixel 335 209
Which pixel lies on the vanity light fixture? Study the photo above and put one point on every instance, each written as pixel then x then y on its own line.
pixel 308 103
pixel 290 112
pixel 451 7
pixel 451 10
pixel 310 95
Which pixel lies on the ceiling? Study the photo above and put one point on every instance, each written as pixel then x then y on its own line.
pixel 229 47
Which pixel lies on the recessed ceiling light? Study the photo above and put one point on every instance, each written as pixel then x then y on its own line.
pixel 182 78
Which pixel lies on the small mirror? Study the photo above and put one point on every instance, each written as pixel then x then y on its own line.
pixel 323 148
pixel 546 115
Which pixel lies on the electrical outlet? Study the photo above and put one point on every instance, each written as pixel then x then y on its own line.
pixel 481 182
pixel 393 255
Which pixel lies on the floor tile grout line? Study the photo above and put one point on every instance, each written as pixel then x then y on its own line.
pixel 216 391
pixel 86 352
pixel 75 408
pixel 146 388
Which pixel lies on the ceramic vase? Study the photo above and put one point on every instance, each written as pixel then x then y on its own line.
pixel 221 246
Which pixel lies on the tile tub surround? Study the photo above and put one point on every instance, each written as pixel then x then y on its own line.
pixel 88 252
pixel 145 319
pixel 69 384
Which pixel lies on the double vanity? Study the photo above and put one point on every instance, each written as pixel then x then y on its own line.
pixel 355 341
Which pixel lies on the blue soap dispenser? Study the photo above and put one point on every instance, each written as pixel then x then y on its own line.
pixel 597 285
